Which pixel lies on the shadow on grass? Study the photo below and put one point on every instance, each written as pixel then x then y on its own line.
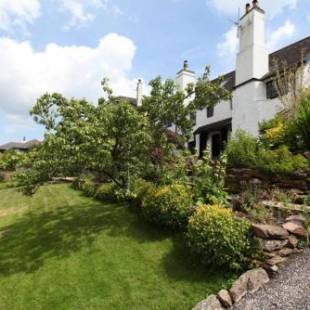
pixel 59 232
pixel 181 266
pixel 39 235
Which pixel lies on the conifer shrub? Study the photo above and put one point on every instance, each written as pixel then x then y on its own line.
pixel 218 238
pixel 168 206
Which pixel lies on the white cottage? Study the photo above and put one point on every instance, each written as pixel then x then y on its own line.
pixel 253 96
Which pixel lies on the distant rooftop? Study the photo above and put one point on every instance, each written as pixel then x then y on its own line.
pixel 21 146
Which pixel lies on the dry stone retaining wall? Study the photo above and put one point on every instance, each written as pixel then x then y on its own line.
pixel 236 178
pixel 277 243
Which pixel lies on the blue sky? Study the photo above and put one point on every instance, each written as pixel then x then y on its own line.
pixel 69 45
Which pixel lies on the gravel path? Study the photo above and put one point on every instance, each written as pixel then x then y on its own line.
pixel 290 290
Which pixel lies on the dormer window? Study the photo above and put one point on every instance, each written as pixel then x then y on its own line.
pixel 271 91
pixel 210 112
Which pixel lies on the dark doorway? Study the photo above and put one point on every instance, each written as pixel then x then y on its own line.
pixel 192 147
pixel 203 143
pixel 216 145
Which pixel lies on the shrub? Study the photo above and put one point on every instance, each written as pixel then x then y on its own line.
pixel 106 192
pixel 273 132
pixel 2 177
pixel 242 150
pixel 141 188
pixel 78 182
pixel 10 159
pixel 89 187
pixel 218 238
pixel 302 121
pixel 169 206
pixel 280 161
pixel 245 152
pixel 208 180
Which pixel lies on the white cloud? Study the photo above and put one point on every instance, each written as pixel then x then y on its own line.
pixel 18 13
pixel 272 7
pixel 71 70
pixel 228 48
pixel 280 35
pixel 83 12
pixel 229 45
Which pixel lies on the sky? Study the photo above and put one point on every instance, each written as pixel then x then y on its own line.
pixel 68 46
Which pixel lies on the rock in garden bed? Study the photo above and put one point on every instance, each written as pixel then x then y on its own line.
pixel 211 303
pixel 225 298
pixel 251 281
pixel 270 232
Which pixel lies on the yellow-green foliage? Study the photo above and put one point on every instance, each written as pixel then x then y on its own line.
pixel 219 238
pixel 246 152
pixel 141 188
pixel 89 187
pixel 169 206
pixel 106 192
pixel 280 161
pixel 273 132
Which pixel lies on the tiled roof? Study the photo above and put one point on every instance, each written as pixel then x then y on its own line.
pixel 19 145
pixel 291 54
pixel 129 99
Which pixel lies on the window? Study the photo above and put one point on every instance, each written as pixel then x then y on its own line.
pixel 210 111
pixel 271 90
pixel 193 118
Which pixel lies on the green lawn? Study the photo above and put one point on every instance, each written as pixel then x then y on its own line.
pixel 60 250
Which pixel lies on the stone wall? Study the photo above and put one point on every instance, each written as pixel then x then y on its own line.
pixel 236 180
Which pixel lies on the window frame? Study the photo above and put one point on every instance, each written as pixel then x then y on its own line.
pixel 210 112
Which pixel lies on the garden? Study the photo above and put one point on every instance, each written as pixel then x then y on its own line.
pixel 144 222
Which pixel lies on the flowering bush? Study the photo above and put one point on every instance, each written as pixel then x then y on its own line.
pixel 218 238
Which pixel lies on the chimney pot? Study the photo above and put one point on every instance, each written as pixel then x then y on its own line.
pixel 185 65
pixel 247 8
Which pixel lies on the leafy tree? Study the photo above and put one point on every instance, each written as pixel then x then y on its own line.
pixel 114 139
pixel 109 139
pixel 169 105
pixel 10 159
